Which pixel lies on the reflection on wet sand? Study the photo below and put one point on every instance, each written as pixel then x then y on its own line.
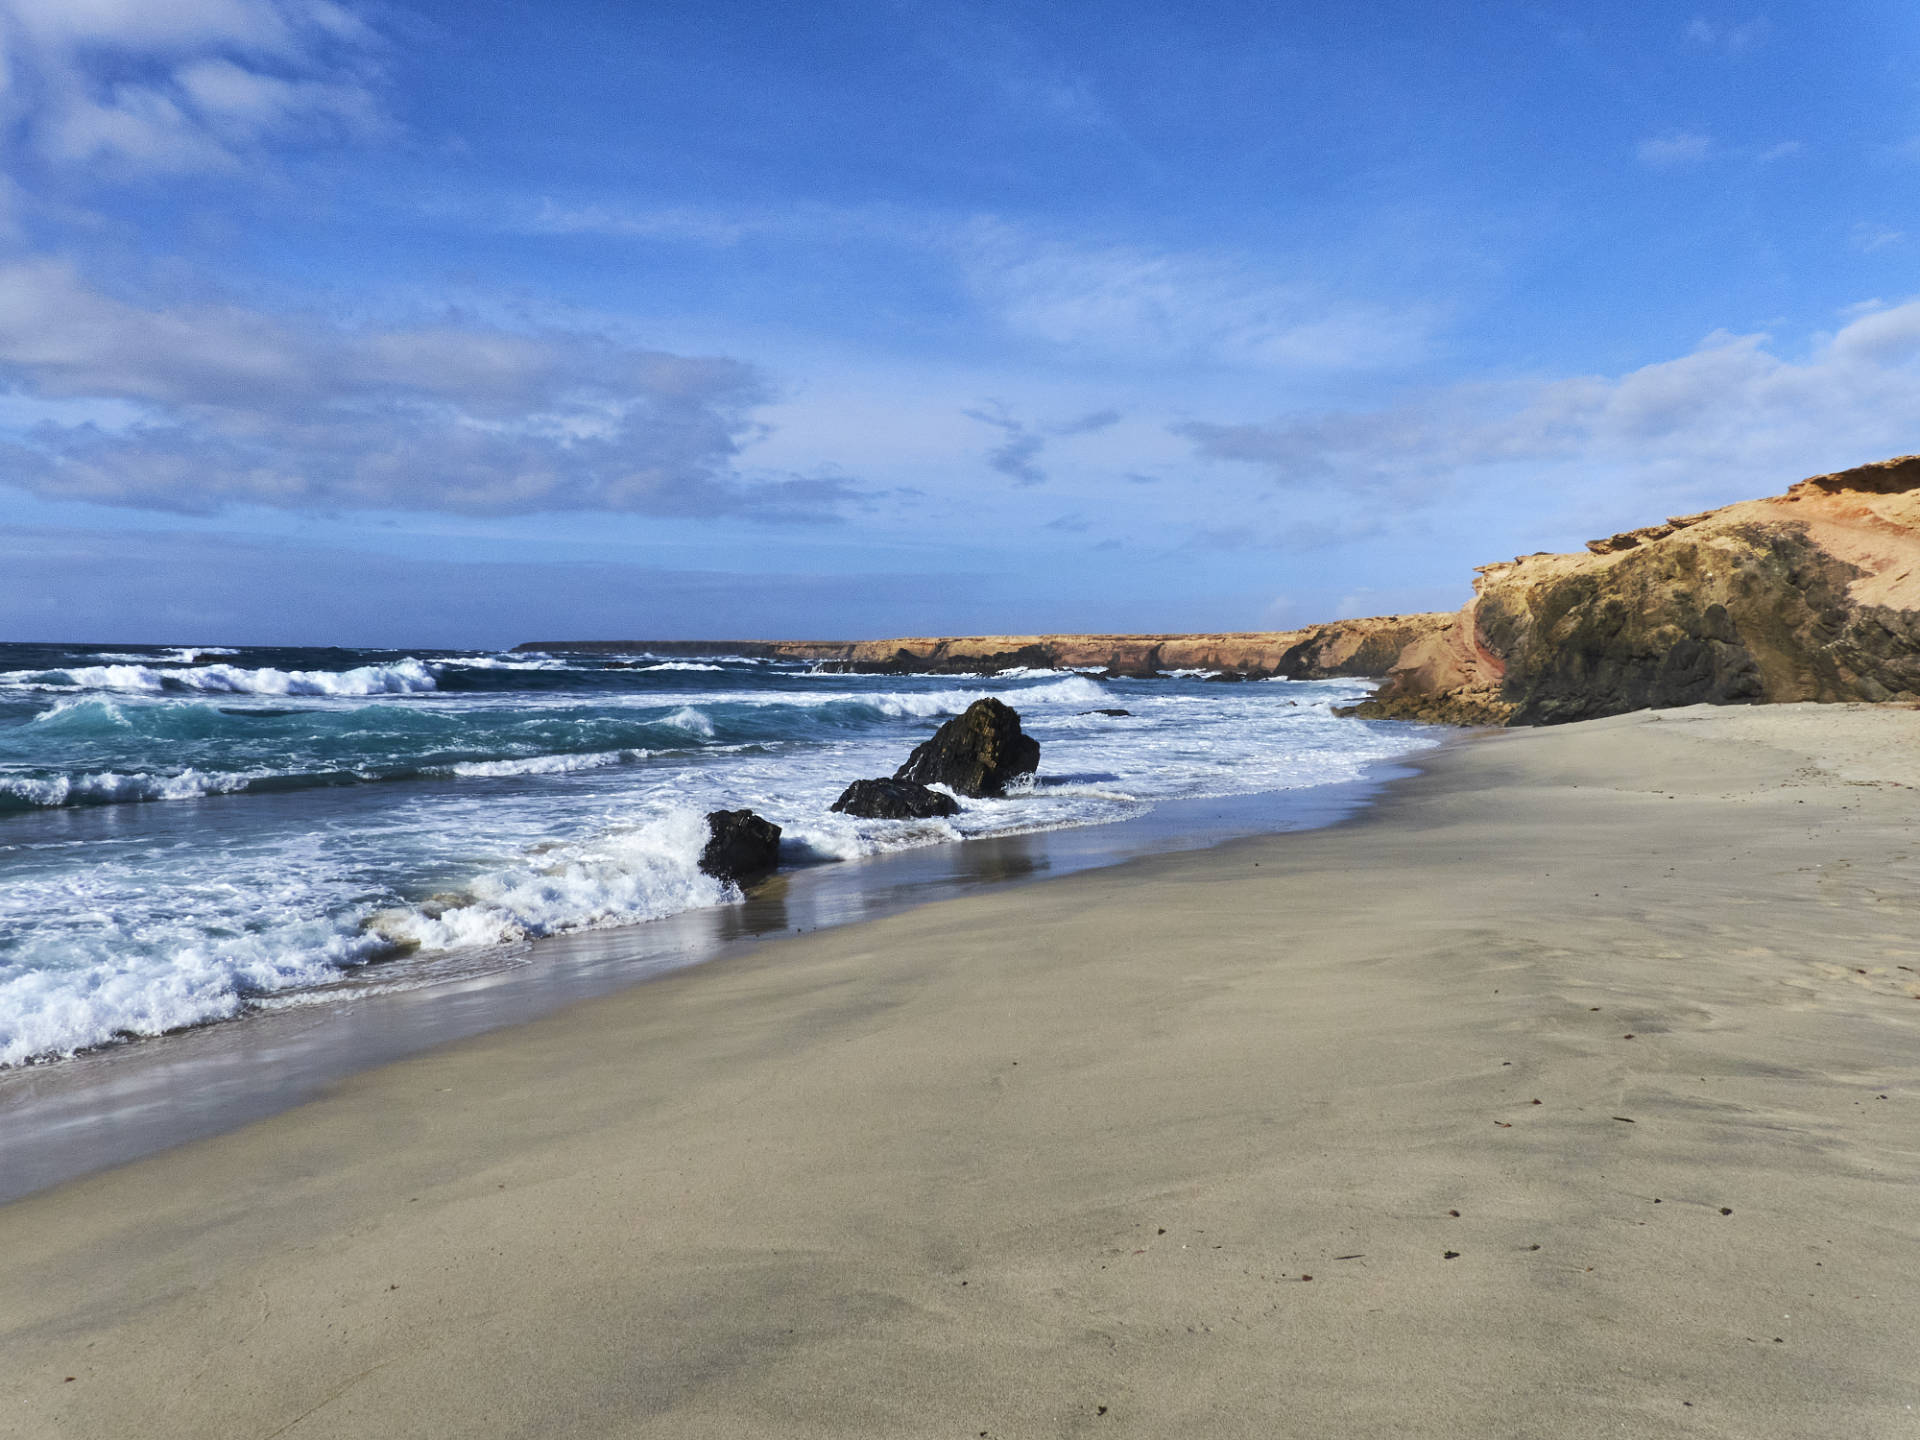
pixel 114 1105
pixel 1001 858
pixel 763 912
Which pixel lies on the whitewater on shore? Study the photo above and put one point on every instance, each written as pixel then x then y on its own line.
pixel 188 834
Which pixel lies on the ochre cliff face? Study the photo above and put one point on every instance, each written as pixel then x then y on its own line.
pixel 1340 648
pixel 1813 595
pixel 1365 648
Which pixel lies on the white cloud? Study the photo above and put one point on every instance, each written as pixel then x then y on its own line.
pixel 1733 37
pixel 1785 150
pixel 675 223
pixel 1671 152
pixel 1733 417
pixel 140 88
pixel 224 405
pixel 1134 305
pixel 1869 237
pixel 1142 306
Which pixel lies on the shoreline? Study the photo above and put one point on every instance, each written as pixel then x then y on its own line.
pixel 1059 1159
pixel 65 1119
pixel 1353 649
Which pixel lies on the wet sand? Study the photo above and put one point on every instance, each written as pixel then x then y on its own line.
pixel 1058 1160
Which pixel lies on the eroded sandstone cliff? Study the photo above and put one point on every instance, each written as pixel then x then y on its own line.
pixel 1340 648
pixel 1811 595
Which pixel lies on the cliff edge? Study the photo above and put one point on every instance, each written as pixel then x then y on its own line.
pixel 1810 595
pixel 1364 648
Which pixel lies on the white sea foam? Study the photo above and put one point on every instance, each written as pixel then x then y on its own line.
pixel 642 873
pixel 835 837
pixel 48 1012
pixel 177 655
pixel 498 662
pixel 1070 690
pixel 109 787
pixel 694 722
pixel 402 677
pixel 681 665
pixel 547 764
pixel 135 931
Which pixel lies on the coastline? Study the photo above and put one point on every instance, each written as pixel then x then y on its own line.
pixel 1057 1159
pixel 115 1104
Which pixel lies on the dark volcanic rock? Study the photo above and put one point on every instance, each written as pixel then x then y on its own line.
pixel 941 662
pixel 1228 677
pixel 741 847
pixel 975 753
pixel 894 800
pixel 1105 710
pixel 1134 665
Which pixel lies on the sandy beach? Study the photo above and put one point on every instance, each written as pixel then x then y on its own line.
pixel 1573 1089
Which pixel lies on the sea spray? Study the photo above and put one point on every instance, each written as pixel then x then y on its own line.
pixel 187 836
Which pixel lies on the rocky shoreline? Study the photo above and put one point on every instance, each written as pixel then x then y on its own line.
pixel 1341 649
pixel 1809 595
pixel 978 754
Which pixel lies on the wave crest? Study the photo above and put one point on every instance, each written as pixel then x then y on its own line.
pixel 401 677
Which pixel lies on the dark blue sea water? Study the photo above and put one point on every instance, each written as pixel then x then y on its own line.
pixel 187 834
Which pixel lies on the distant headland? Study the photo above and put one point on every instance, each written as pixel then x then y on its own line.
pixel 1809 595
pixel 1364 648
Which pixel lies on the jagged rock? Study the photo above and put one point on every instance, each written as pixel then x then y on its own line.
pixel 1341 648
pixel 1115 711
pixel 1350 648
pixel 741 847
pixel 1629 539
pixel 1228 677
pixel 1813 595
pixel 894 800
pixel 1451 707
pixel 976 752
pixel 938 658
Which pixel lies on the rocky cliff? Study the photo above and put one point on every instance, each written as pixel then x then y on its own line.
pixel 1811 595
pixel 1340 648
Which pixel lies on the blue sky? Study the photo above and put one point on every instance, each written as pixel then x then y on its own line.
pixel 466 324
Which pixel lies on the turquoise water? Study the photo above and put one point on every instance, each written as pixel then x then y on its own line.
pixel 190 834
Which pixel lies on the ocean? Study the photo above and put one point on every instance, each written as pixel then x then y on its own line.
pixel 195 834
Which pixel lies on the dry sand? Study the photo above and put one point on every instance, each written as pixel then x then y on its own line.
pixel 1059 1160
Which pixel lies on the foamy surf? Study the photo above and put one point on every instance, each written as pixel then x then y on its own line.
pixel 328 809
pixel 405 677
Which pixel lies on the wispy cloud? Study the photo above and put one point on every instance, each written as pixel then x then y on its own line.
pixel 1090 424
pixel 1676 150
pixel 238 406
pixel 549 217
pixel 1017 456
pixel 1730 37
pixel 1735 407
pixel 136 89
pixel 1152 307
pixel 1005 60
pixel 1133 305
pixel 1868 237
